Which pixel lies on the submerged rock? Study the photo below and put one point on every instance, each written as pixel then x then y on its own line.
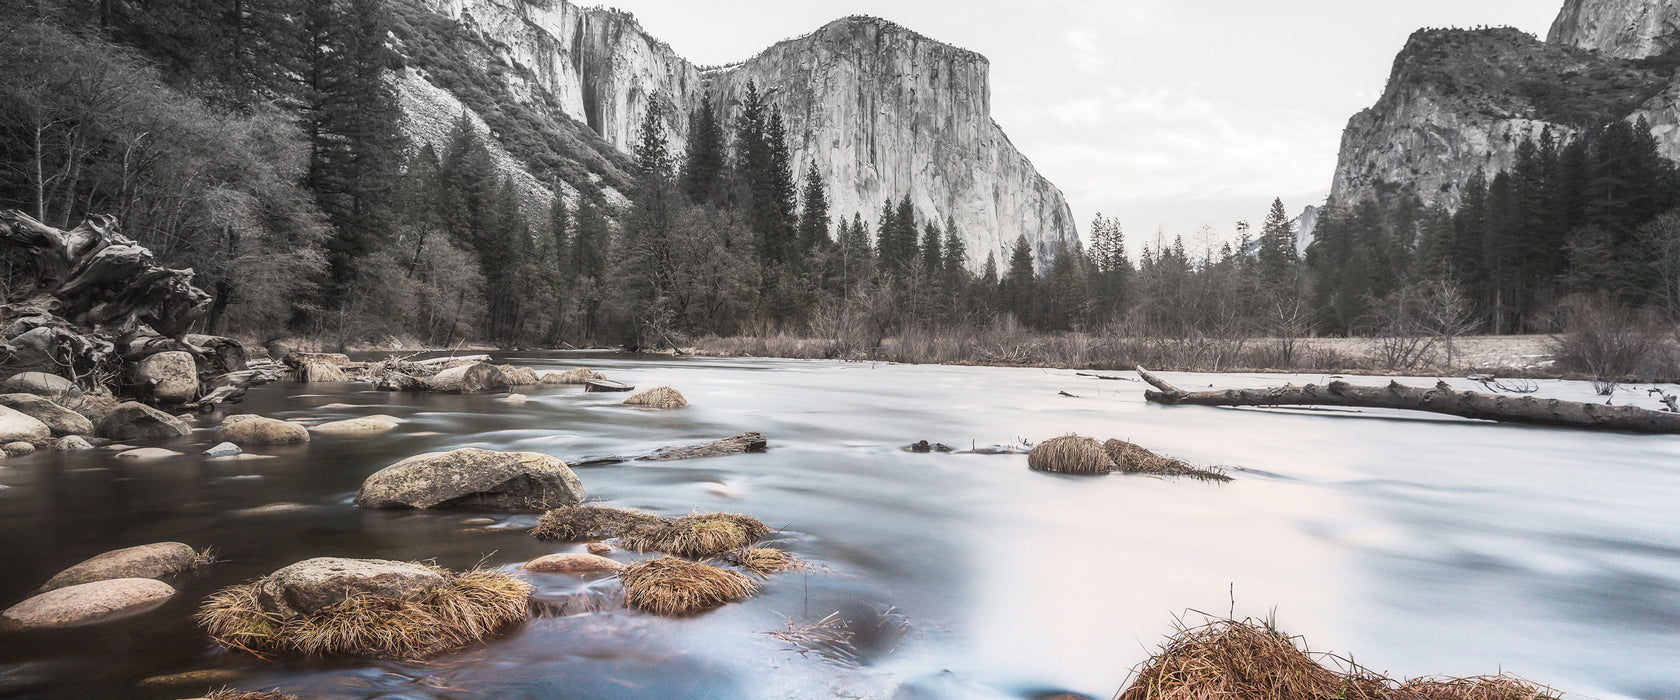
pixel 745 442
pixel 572 563
pixel 60 420
pixel 473 478
pixel 17 449
pixel 147 453
pixel 137 421
pixel 89 603
pixel 226 449
pixel 16 425
pixel 172 376
pixel 313 584
pixel 144 561
pixel 367 424
pixel 252 431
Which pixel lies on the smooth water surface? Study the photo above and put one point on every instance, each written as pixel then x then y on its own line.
pixel 1419 545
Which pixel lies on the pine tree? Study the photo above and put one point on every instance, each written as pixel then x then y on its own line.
pixel 813 215
pixel 956 255
pixel 705 164
pixel 1277 256
pixel 932 259
pixel 1018 287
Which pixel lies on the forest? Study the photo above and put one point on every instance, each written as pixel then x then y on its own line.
pixel 261 144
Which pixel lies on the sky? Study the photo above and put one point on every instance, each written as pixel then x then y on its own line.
pixel 1167 115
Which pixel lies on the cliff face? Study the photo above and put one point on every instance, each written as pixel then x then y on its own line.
pixel 1462 101
pixel 1618 28
pixel 881 110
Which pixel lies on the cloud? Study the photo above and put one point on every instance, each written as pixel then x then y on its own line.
pixel 1086 51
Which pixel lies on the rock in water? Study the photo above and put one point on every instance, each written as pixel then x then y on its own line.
pixel 173 376
pixel 366 424
pixel 16 426
pixel 39 384
pixel 572 563
pixel 745 442
pixel 145 561
pixel 313 584
pixel 226 449
pixel 62 421
pixel 147 453
pixel 473 478
pixel 17 449
pixel 137 421
pixel 88 603
pixel 73 443
pixel 476 378
pixel 252 431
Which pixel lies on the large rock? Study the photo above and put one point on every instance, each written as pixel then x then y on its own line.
pixel 16 425
pixel 88 603
pixel 251 431
pixel 17 449
pixel 40 384
pixel 172 376
pixel 146 454
pixel 378 423
pixel 73 443
pixel 479 377
pixel 313 584
pixel 62 421
pixel 1620 28
pixel 144 561
pixel 572 563
pixel 473 478
pixel 137 421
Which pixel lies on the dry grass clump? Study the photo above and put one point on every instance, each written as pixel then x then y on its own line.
pixel 231 694
pixel 1135 459
pixel 675 587
pixel 1069 454
pixel 659 397
pixel 579 523
pixel 520 376
pixel 575 375
pixel 1250 660
pixel 699 535
pixel 764 560
pixel 470 607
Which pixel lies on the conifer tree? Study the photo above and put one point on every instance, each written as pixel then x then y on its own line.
pixel 705 163
pixel 955 254
pixel 932 258
pixel 1018 287
pixel 1277 255
pixel 813 215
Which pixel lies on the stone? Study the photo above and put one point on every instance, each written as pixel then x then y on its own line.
pixel 72 443
pixel 17 449
pixel 144 561
pixel 205 678
pixel 313 584
pixel 1620 28
pixel 252 431
pixel 477 522
pixel 599 548
pixel 137 421
pixel 377 423
pixel 60 420
pixel 572 563
pixel 172 376
pixel 90 603
pixel 226 449
pixel 473 478
pixel 40 384
pixel 517 399
pixel 16 425
pixel 146 454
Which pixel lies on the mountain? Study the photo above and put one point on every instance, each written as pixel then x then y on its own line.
pixel 1460 101
pixel 880 109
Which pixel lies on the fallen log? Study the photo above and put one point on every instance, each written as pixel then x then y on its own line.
pixel 1442 398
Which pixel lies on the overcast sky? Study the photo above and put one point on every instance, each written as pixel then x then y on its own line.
pixel 1165 114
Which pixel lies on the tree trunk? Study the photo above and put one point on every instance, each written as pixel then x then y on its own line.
pixel 1440 399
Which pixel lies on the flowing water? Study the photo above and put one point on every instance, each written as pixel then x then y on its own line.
pixel 1419 545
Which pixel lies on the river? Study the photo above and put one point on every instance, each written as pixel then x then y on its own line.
pixel 1419 545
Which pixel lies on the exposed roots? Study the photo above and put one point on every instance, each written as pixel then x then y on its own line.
pixel 674 587
pixel 1069 454
pixel 580 523
pixel 658 397
pixel 764 560
pixel 470 607
pixel 1134 459
pixel 1250 660
pixel 699 536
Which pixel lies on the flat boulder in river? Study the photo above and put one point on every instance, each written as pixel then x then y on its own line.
pixel 378 423
pixel 90 602
pixel 249 431
pixel 473 478
pixel 137 421
pixel 313 584
pixel 145 561
pixel 62 421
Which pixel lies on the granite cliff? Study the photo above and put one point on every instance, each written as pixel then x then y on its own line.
pixel 1461 101
pixel 880 110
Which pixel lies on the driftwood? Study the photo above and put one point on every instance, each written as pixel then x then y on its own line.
pixel 231 387
pixel 608 385
pixel 745 442
pixel 1442 398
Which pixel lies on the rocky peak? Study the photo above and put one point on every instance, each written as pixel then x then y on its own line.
pixel 1619 28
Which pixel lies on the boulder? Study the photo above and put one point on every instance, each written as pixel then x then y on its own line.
pixel 73 443
pixel 600 548
pixel 16 425
pixel 144 561
pixel 147 453
pixel 36 347
pixel 572 563
pixel 226 449
pixel 88 603
pixel 40 384
pixel 137 421
pixel 17 449
pixel 517 399
pixel 476 378
pixel 313 584
pixel 172 376
pixel 355 426
pixel 250 431
pixel 60 420
pixel 473 478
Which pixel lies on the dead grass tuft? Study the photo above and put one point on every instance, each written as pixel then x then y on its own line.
pixel 659 397
pixel 1135 459
pixel 575 375
pixel 764 560
pixel 700 535
pixel 580 523
pixel 1252 660
pixel 1069 454
pixel 231 694
pixel 674 587
pixel 470 607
